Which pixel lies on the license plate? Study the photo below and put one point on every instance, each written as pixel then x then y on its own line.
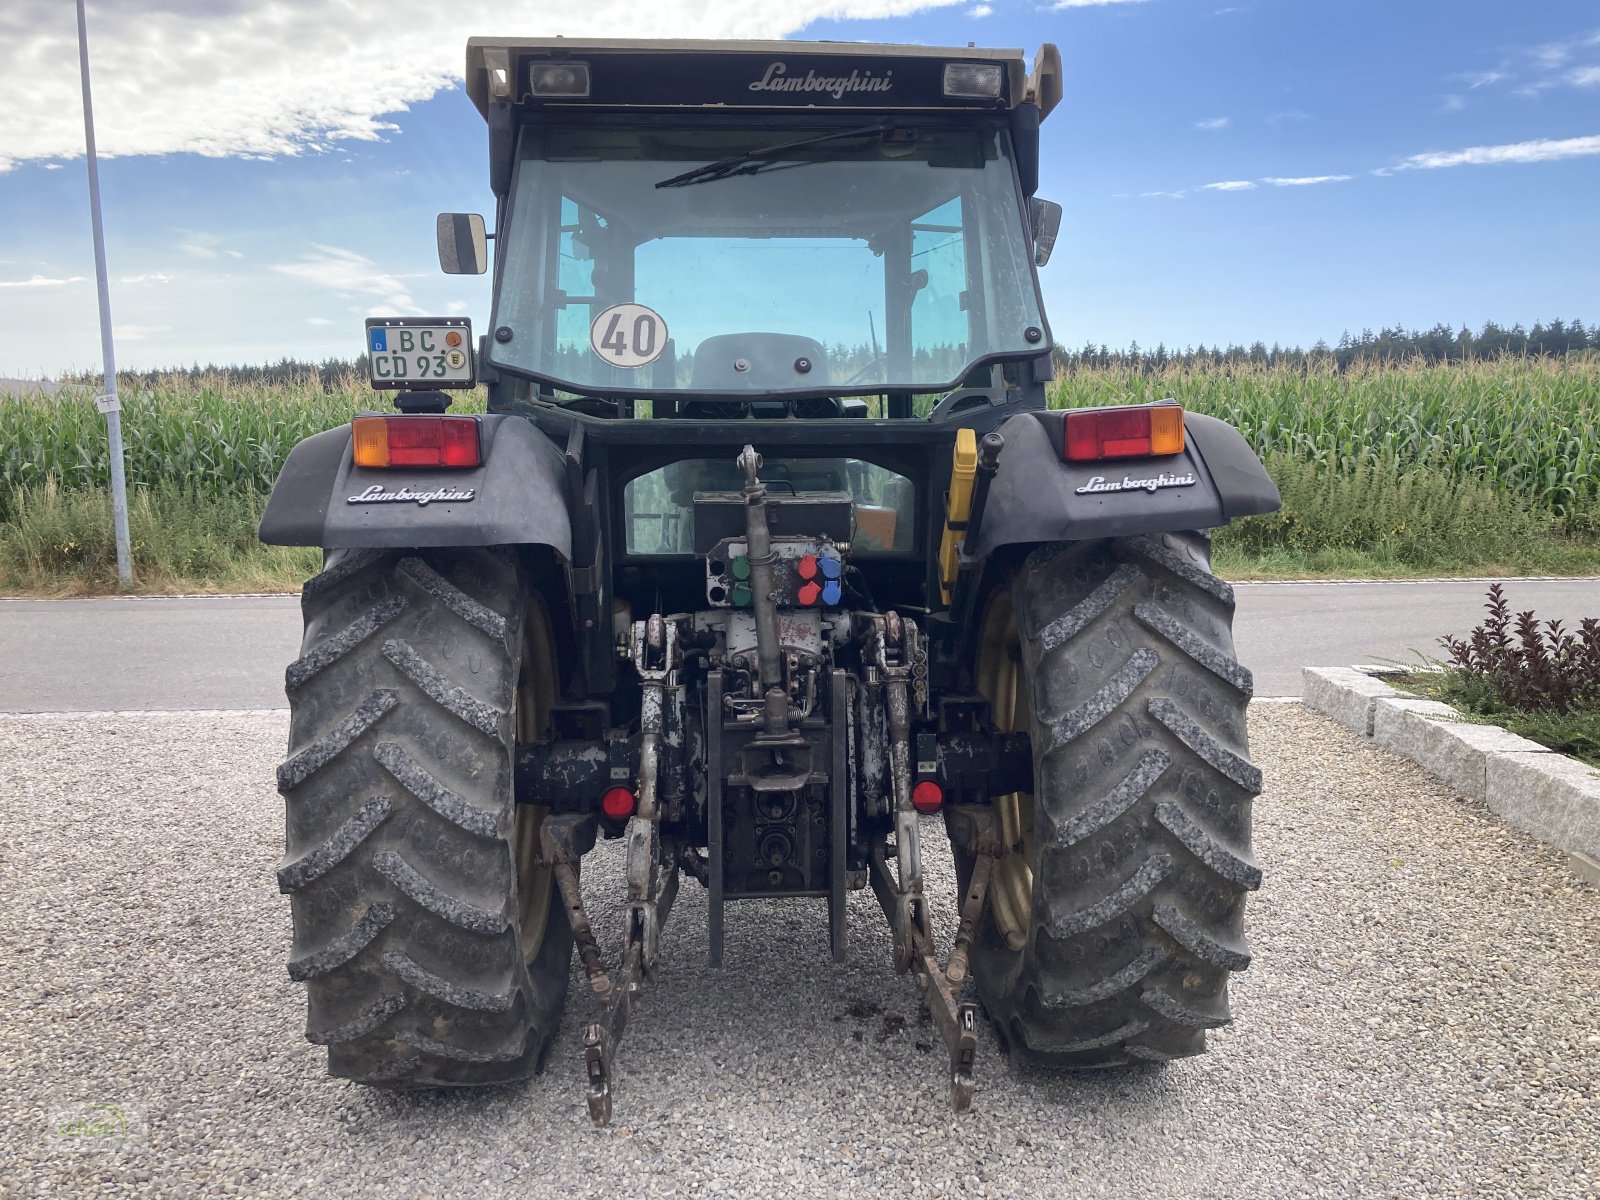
pixel 420 352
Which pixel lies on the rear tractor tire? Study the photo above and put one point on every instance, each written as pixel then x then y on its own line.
pixel 423 924
pixel 1110 937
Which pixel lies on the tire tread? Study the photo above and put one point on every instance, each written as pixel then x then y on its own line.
pixel 400 819
pixel 1141 846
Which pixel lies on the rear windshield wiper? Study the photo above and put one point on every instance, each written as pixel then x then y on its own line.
pixel 748 162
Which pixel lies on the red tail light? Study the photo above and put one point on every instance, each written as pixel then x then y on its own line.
pixel 1136 432
pixel 416 442
pixel 617 803
pixel 926 797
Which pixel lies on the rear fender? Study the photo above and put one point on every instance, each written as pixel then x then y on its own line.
pixel 518 496
pixel 1037 496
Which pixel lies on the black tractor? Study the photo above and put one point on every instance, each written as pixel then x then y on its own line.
pixel 768 556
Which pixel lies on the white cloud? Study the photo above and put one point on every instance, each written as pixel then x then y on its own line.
pixel 1211 123
pixel 147 277
pixel 1554 55
pixel 1478 79
pixel 205 246
pixel 318 321
pixel 1539 150
pixel 352 274
pixel 980 10
pixel 1543 68
pixel 198 249
pixel 40 281
pixel 256 78
pixel 1247 185
pixel 1303 180
pixel 52 166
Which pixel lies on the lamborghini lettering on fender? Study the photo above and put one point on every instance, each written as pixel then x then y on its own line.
pixel 1129 484
pixel 404 495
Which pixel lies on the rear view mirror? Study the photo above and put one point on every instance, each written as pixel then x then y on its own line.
pixel 463 244
pixel 1046 218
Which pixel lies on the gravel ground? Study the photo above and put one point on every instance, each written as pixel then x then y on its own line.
pixel 1420 1019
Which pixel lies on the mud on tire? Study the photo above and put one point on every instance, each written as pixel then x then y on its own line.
pixel 400 854
pixel 1129 917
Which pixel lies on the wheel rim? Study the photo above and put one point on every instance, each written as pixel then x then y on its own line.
pixel 1001 682
pixel 535 696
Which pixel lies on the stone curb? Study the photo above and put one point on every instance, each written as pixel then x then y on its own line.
pixel 1553 797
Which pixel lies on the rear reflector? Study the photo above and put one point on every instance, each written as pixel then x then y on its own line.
pixel 617 803
pixel 926 797
pixel 416 442
pixel 1136 432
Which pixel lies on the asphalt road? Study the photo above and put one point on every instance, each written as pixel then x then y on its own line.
pixel 229 652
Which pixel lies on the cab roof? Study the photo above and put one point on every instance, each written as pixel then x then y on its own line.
pixel 850 76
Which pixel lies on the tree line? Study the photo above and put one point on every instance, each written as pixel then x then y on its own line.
pixel 1441 344
pixel 331 373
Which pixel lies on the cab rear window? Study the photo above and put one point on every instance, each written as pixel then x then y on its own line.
pixel 658 507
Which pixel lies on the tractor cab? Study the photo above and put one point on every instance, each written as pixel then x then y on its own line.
pixel 765 230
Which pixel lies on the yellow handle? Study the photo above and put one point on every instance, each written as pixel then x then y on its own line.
pixel 958 505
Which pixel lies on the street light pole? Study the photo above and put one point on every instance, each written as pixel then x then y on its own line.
pixel 108 402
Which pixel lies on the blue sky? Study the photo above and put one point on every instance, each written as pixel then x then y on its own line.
pixel 264 197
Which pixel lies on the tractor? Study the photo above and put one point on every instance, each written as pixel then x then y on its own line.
pixel 769 557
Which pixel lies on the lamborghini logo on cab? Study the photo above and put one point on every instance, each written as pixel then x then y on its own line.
pixel 778 79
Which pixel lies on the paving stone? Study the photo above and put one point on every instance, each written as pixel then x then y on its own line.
pixel 1344 694
pixel 1410 728
pixel 1431 735
pixel 1553 797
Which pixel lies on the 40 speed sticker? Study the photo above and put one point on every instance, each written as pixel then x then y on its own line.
pixel 628 335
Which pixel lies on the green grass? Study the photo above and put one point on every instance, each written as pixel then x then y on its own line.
pixel 1386 519
pixel 1478 468
pixel 1576 733
pixel 60 543
pixel 1553 558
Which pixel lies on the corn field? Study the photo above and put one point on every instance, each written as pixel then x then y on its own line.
pixel 1530 426
pixel 1527 426
pixel 213 437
